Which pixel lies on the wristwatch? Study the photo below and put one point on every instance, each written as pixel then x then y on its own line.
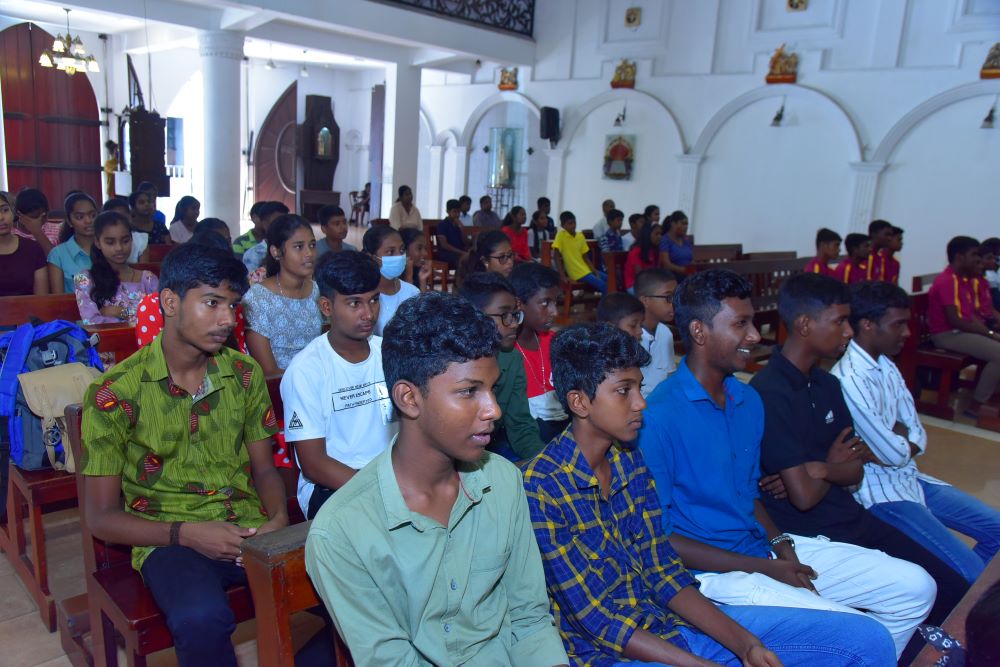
pixel 784 537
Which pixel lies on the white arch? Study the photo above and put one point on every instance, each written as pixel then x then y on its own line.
pixel 490 102
pixel 446 138
pixel 931 106
pixel 620 95
pixel 425 118
pixel 733 107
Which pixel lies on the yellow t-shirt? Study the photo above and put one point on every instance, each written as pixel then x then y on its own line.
pixel 573 248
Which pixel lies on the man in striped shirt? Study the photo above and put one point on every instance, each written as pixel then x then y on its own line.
pixel 886 419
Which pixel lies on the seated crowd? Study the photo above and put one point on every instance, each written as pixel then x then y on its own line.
pixel 485 489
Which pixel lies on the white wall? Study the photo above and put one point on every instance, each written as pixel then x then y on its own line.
pixel 864 67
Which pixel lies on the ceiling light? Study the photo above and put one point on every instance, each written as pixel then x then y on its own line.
pixel 68 54
pixel 304 72
pixel 270 64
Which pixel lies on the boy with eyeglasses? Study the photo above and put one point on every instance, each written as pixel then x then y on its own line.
pixel 516 436
pixel 655 289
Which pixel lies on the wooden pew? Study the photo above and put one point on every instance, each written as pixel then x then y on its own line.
pixel 276 568
pixel 545 255
pixel 921 283
pixel 16 310
pixel 118 600
pixel 955 623
pixel 152 267
pixel 777 254
pixel 614 265
pixel 158 252
pixel 715 253
pixel 919 356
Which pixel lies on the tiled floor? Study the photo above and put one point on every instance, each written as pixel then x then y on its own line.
pixel 965 456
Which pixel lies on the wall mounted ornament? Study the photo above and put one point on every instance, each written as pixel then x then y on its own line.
pixel 508 79
pixel 624 74
pixel 991 67
pixel 633 17
pixel 619 156
pixel 796 5
pixel 783 67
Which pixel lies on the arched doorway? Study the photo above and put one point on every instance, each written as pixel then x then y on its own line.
pixel 51 126
pixel 274 154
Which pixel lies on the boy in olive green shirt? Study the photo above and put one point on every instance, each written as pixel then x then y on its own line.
pixel 183 427
pixel 426 556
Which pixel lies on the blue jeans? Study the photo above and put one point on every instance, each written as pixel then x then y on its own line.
pixel 805 637
pixel 598 281
pixel 190 590
pixel 947 507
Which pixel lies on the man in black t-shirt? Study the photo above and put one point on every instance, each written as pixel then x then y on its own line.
pixel 809 439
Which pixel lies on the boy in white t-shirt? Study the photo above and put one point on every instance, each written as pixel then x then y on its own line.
pixel 338 414
pixel 655 288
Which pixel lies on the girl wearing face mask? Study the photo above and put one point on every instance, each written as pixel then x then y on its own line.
pixel 282 313
pixel 111 290
pixel 386 245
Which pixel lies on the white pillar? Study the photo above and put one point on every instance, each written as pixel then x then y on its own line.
pixel 456 171
pixel 221 54
pixel 687 184
pixel 863 200
pixel 3 150
pixel 436 175
pixel 402 131
pixel 554 179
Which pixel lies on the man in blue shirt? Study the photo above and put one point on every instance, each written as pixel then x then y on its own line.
pixel 619 591
pixel 701 440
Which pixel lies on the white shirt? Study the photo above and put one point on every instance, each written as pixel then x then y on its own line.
pixel 140 241
pixel 388 303
pixel 601 228
pixel 347 404
pixel 878 397
pixel 466 219
pixel 660 346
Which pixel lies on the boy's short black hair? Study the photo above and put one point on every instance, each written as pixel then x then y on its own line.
pixel 29 200
pixel 465 199
pixel 824 235
pixel 192 264
pixel 959 246
pixel 897 231
pixel 451 205
pixel 543 200
pixel 328 212
pixel 565 217
pixel 614 307
pixel 876 226
pixel 529 278
pixel 991 245
pixel 115 202
pixel 211 225
pixel 649 280
pixel 614 213
pixel 871 300
pixel 347 272
pixel 255 209
pixel 480 287
pixel 430 331
pixel 209 238
pixel 270 208
pixel 700 297
pixel 484 198
pixel 635 216
pixel 583 355
pixel 855 241
pixel 810 294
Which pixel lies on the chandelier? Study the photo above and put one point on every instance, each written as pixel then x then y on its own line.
pixel 67 54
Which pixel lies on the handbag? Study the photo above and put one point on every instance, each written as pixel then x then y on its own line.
pixel 47 392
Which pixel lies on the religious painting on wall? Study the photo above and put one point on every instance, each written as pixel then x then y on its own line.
pixel 619 156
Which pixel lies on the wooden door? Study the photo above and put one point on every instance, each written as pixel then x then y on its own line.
pixel 51 123
pixel 274 153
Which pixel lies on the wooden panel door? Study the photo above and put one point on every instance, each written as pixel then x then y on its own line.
pixel 274 157
pixel 51 122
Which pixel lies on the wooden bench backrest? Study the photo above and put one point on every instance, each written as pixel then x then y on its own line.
pixel 157 252
pixel 430 236
pixel 97 554
pixel 16 310
pixel 614 265
pixel 919 330
pixel 776 254
pixel 721 252
pixel 922 283
pixel 765 276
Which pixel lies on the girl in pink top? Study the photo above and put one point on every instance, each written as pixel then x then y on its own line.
pixel 645 254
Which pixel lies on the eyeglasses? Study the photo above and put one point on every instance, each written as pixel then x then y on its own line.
pixel 504 258
pixel 659 296
pixel 509 319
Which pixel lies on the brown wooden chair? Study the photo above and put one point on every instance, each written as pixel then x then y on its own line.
pixel 441 276
pixel 716 253
pixel 923 282
pixel 920 361
pixel 614 265
pixel 276 567
pixel 118 601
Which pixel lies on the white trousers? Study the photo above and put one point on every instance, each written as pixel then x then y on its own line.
pixel 896 593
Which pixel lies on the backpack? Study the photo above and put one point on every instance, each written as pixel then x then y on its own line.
pixel 31 347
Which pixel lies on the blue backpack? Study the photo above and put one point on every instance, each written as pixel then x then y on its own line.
pixel 32 347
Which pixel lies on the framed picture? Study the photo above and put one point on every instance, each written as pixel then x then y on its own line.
pixel 619 157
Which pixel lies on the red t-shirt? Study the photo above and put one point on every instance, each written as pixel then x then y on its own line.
pixel 851 272
pixel 969 296
pixel 883 266
pixel 518 242
pixel 634 264
pixel 816 265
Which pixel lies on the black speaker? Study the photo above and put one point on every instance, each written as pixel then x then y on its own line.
pixel 550 124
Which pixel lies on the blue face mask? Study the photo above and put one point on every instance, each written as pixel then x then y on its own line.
pixel 393 266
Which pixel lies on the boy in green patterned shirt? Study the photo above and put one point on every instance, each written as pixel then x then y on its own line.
pixel 183 429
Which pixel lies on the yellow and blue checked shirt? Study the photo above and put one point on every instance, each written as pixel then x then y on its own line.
pixel 609 569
